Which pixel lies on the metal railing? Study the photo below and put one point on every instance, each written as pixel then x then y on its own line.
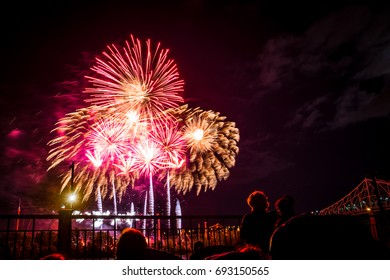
pixel 95 236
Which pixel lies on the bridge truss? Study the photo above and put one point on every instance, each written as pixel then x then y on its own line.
pixel 362 199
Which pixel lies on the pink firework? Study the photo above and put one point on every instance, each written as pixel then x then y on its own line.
pixel 109 139
pixel 135 78
pixel 94 157
pixel 148 157
pixel 125 165
pixel 171 142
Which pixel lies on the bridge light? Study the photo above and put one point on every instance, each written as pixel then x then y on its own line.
pixel 368 209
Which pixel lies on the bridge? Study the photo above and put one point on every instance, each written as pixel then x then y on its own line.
pixel 370 201
pixel 369 196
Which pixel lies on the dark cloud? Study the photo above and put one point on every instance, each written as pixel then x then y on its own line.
pixel 313 94
pixel 341 62
pixel 258 160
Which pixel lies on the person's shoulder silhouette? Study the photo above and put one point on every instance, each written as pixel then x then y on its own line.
pixel 329 237
pixel 54 256
pixel 132 245
pixel 285 209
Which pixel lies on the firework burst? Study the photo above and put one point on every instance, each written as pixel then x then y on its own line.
pixel 170 139
pixel 70 132
pixel 173 146
pixel 135 128
pixel 93 143
pixel 109 139
pixel 135 78
pixel 213 147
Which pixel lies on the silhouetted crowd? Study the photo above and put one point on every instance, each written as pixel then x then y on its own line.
pixel 283 235
pixel 279 234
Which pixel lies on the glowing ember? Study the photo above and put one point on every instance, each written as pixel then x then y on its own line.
pixel 198 134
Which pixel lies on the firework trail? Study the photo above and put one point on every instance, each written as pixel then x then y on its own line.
pixel 145 213
pixel 178 213
pixel 132 212
pixel 110 141
pixel 100 203
pixel 148 159
pixel 173 145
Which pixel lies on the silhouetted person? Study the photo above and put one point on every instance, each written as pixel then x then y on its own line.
pixel 330 237
pixel 257 226
pixel 285 209
pixel 132 245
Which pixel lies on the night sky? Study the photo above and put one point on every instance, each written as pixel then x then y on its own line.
pixel 306 82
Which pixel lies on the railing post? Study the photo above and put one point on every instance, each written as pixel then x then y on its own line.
pixel 373 226
pixel 64 244
pixel 382 222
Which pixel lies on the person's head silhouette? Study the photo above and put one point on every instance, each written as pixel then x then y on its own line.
pixel 131 245
pixel 285 205
pixel 258 201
